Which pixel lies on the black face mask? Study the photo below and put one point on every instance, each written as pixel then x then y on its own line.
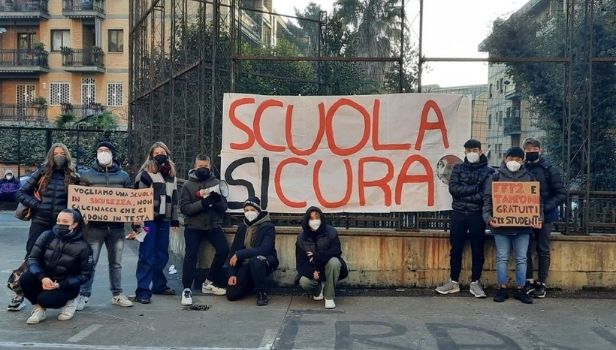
pixel 532 156
pixel 59 161
pixel 161 159
pixel 202 173
pixel 62 230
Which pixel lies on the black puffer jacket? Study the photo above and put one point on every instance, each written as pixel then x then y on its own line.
pixel 65 259
pixel 112 176
pixel 54 197
pixel 323 243
pixel 553 191
pixel 467 184
pixel 201 213
pixel 263 242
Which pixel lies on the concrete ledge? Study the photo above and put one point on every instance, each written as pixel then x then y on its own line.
pixel 388 258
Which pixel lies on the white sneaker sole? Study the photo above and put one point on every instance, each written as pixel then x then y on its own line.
pixel 17 308
pixel 186 303
pixel 209 291
pixel 478 295
pixel 448 291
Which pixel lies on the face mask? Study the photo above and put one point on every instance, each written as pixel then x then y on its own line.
pixel 59 161
pixel 473 157
pixel 251 215
pixel 9 177
pixel 104 158
pixel 63 230
pixel 532 156
pixel 202 173
pixel 513 166
pixel 161 159
pixel 314 224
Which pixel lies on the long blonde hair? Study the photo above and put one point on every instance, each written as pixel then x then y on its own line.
pixel 151 165
pixel 70 174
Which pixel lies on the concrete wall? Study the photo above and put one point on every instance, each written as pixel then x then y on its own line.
pixel 421 259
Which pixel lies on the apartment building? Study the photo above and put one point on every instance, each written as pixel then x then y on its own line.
pixel 62 56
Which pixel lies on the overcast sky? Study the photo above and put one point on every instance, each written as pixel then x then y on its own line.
pixel 452 28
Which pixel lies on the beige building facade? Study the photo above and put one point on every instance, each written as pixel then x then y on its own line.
pixel 63 56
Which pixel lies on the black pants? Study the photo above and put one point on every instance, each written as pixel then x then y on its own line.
pixel 35 232
pixel 193 239
pixel 52 299
pixel 466 225
pixel 541 239
pixel 249 276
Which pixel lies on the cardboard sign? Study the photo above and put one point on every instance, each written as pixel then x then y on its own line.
pixel 112 204
pixel 372 153
pixel 516 204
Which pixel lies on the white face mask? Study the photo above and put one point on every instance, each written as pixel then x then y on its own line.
pixel 104 158
pixel 513 166
pixel 251 215
pixel 473 157
pixel 314 224
pixel 9 177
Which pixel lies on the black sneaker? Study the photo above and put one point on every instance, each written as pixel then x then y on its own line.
pixel 143 300
pixel 501 295
pixel 523 296
pixel 529 287
pixel 166 291
pixel 17 303
pixel 539 290
pixel 262 299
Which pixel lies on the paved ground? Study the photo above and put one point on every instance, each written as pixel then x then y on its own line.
pixel 296 322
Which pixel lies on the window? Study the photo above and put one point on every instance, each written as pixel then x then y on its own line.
pixel 88 91
pixel 116 40
pixel 59 93
pixel 114 94
pixel 25 40
pixel 25 94
pixel 59 39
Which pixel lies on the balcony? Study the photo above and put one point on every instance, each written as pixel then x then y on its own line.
pixel 83 8
pixel 512 126
pixel 90 60
pixel 83 111
pixel 10 113
pixel 22 61
pixel 22 12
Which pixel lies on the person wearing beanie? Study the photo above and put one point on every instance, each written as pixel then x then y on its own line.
pixel 9 185
pixel 505 238
pixel 553 194
pixel 466 186
pixel 253 254
pixel 318 257
pixel 203 210
pixel 105 171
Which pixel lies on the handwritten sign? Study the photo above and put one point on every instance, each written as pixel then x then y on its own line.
pixel 372 153
pixel 112 204
pixel 516 203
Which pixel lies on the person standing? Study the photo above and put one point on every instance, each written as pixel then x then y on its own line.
pixel 46 193
pixel 59 263
pixel 157 172
pixel 511 170
pixel 318 257
pixel 106 171
pixel 253 254
pixel 466 185
pixel 9 185
pixel 553 194
pixel 203 210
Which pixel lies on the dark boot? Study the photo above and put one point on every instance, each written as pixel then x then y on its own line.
pixel 501 295
pixel 522 295
pixel 262 299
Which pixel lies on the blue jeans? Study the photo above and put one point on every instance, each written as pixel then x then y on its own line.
pixel 503 247
pixel 113 238
pixel 153 257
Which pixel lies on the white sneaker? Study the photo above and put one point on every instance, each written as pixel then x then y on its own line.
pixel 38 315
pixel 121 300
pixel 329 304
pixel 81 302
pixel 67 311
pixel 209 288
pixel 320 296
pixel 186 297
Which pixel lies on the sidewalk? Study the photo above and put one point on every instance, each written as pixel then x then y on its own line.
pixel 297 322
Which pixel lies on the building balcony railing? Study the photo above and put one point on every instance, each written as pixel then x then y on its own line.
pixel 23 114
pixel 512 126
pixel 83 8
pixel 83 111
pixel 23 61
pixel 91 59
pixel 23 10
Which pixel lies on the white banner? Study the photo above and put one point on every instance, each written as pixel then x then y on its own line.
pixel 373 153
